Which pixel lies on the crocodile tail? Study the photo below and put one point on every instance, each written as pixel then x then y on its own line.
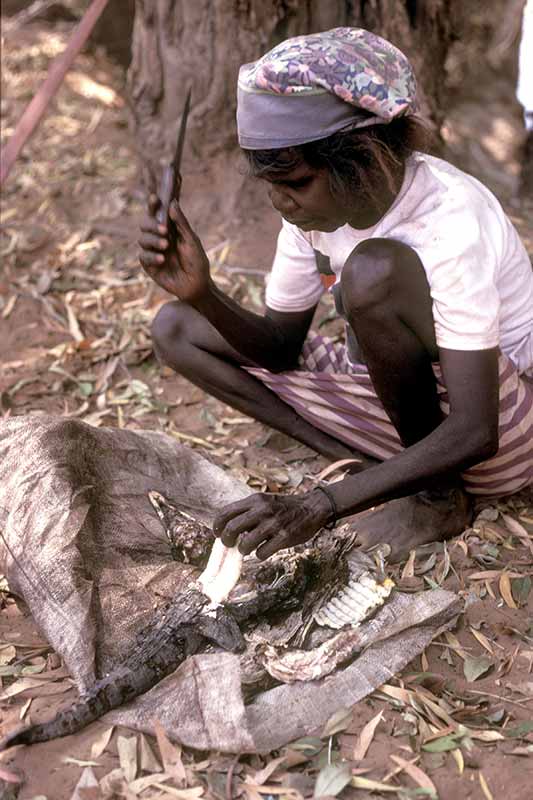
pixel 30 735
pixel 115 689
pixel 19 736
pixel 66 722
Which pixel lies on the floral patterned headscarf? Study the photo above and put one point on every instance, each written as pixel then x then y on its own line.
pixel 308 87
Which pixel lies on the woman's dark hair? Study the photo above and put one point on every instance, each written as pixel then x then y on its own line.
pixel 358 161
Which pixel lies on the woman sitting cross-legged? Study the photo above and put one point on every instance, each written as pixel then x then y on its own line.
pixel 434 381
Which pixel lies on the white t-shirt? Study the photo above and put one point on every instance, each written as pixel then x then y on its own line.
pixel 478 270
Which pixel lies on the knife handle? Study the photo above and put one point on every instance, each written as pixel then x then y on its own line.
pixel 166 194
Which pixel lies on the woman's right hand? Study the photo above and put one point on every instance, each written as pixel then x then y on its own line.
pixel 179 264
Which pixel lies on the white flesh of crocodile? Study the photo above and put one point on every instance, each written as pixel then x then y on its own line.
pixel 222 572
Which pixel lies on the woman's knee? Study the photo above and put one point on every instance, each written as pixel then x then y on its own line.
pixel 170 329
pixel 373 272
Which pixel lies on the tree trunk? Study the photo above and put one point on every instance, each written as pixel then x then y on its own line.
pixel 177 43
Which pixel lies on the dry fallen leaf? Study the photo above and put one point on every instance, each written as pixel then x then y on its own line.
pixel 7 654
pixel 127 756
pixel 484 787
pixel 332 779
pixel 475 667
pixel 113 783
pixel 35 687
pixel 255 791
pixel 424 661
pixel 10 777
pixel 9 306
pixel 455 644
pixel 73 324
pixel 525 688
pixel 337 465
pixel 86 783
pixel 409 568
pixel 100 743
pixel 364 739
pixel 522 751
pixel 79 762
pixel 518 530
pixel 417 774
pixel 398 694
pixel 25 708
pixel 181 794
pixel 486 736
pixel 491 574
pixel 521 587
pixel 338 722
pixel 140 784
pixel 442 744
pixel 264 774
pixel 147 758
pixel 528 655
pixel 457 756
pixel 170 754
pixel 441 573
pixel 484 642
pixel 375 786
pixel 505 590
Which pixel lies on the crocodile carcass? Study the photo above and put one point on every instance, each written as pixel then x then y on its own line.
pixel 301 596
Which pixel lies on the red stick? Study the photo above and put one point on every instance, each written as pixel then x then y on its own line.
pixel 38 105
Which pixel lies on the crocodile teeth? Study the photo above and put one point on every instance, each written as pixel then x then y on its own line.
pixel 222 572
pixel 354 603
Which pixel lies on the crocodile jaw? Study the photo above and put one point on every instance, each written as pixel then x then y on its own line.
pixel 222 572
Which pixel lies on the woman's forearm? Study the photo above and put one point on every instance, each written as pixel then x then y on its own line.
pixel 450 449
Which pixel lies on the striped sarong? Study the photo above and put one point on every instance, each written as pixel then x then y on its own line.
pixel 338 397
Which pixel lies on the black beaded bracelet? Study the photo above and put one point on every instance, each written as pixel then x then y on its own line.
pixel 325 490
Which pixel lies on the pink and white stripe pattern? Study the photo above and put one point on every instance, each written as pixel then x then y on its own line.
pixel 339 398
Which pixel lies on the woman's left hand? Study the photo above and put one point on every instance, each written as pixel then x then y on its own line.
pixel 271 522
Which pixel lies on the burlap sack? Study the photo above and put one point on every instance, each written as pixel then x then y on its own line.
pixel 83 547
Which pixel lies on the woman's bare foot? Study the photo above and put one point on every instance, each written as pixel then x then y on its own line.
pixel 410 522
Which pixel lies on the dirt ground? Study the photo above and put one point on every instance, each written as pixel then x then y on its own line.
pixel 75 312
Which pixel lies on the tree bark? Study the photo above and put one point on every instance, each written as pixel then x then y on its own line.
pixel 177 43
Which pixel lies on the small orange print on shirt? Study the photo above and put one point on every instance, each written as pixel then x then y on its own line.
pixel 327 281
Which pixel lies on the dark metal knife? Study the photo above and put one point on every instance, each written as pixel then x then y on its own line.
pixel 167 188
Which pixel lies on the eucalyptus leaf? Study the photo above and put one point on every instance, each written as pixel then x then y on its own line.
pixel 139 387
pixel 85 388
pixel 310 745
pixel 337 722
pixel 332 779
pixel 208 417
pixel 33 669
pixel 521 588
pixel 441 745
pixel 490 514
pixel 6 671
pixel 7 654
pixel 474 668
pixel 520 730
pixel 328 756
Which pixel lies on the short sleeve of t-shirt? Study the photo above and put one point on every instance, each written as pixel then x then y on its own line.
pixel 294 283
pixel 461 259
